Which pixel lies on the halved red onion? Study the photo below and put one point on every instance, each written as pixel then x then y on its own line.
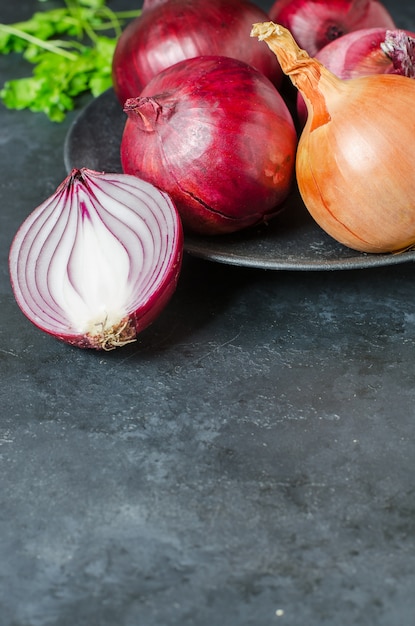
pixel 96 262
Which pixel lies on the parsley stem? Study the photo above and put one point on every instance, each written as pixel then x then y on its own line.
pixel 115 23
pixel 126 15
pixel 46 45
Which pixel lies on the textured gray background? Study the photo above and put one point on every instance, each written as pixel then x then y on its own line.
pixel 249 462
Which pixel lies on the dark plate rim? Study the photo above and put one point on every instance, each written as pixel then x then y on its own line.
pixel 88 143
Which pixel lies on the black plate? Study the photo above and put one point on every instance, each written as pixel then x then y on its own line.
pixel 291 241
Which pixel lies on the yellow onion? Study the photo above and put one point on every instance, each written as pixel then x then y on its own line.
pixel 355 163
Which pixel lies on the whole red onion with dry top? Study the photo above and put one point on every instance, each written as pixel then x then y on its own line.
pixel 314 23
pixel 169 31
pixel 216 135
pixel 96 262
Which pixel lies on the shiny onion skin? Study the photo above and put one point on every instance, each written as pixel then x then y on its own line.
pixel 364 52
pixel 97 262
pixel 314 23
pixel 216 135
pixel 370 51
pixel 169 31
pixel 356 155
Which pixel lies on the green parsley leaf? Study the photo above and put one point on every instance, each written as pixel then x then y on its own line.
pixel 69 54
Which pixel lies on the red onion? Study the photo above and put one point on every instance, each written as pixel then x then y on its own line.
pixel 364 52
pixel 96 262
pixel 216 135
pixel 314 23
pixel 169 31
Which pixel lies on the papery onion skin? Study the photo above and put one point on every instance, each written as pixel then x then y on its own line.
pixel 364 52
pixel 356 154
pixel 169 31
pixel 216 135
pixel 97 262
pixel 314 23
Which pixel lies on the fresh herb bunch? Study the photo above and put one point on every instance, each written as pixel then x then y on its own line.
pixel 70 53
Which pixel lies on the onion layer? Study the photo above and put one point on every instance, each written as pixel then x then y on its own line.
pixel 216 135
pixel 356 154
pixel 169 31
pixel 96 262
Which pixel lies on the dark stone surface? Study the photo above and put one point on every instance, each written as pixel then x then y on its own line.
pixel 248 462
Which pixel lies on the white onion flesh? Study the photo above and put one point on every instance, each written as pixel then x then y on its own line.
pixel 96 257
